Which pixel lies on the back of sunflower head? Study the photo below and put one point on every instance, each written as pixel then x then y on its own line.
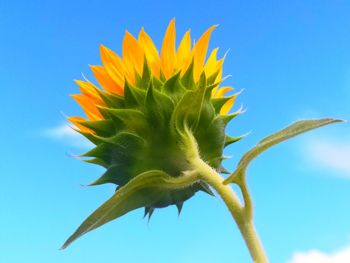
pixel 147 106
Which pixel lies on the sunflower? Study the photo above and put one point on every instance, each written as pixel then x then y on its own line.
pixel 145 103
pixel 158 123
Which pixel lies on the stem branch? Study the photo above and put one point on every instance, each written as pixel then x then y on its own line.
pixel 248 204
pixel 242 215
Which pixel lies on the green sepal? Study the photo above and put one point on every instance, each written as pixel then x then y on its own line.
pixel 157 83
pixel 111 100
pixel 114 174
pixel 159 107
pixel 91 137
pixel 148 212
pixel 205 188
pixel 188 78
pixel 138 80
pixel 106 112
pixel 221 169
pixel 207 113
pixel 145 79
pixel 162 77
pixel 101 127
pixel 102 151
pixel 97 161
pixel 202 83
pixel 187 111
pixel 132 119
pixel 209 90
pixel 113 150
pixel 173 196
pixel 173 88
pixel 278 137
pixel 211 141
pixel 121 138
pixel 134 97
pixel 179 207
pixel 228 117
pixel 229 140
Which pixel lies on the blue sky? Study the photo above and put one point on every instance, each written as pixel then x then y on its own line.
pixel 291 57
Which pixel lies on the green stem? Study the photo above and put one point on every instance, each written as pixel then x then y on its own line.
pixel 242 215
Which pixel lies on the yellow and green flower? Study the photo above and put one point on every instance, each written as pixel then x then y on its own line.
pixel 158 122
pixel 133 115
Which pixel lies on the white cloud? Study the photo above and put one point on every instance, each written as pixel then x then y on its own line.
pixel 316 256
pixel 330 154
pixel 66 134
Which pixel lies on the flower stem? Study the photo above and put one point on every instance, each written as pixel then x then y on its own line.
pixel 241 214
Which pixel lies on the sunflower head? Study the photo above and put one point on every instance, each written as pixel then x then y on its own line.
pixel 144 102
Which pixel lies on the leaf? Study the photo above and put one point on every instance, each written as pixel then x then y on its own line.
pixel 144 190
pixel 280 136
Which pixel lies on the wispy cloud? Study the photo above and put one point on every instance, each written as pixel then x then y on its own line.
pixel 316 256
pixel 330 154
pixel 66 134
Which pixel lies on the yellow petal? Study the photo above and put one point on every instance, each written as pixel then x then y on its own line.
pixel 105 80
pixel 89 90
pixel 151 52
pixel 211 64
pixel 184 53
pixel 168 53
pixel 200 52
pixel 113 65
pixel 222 91
pixel 227 106
pixel 219 66
pixel 88 106
pixel 133 56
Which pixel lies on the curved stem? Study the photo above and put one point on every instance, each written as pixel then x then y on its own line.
pixel 239 213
